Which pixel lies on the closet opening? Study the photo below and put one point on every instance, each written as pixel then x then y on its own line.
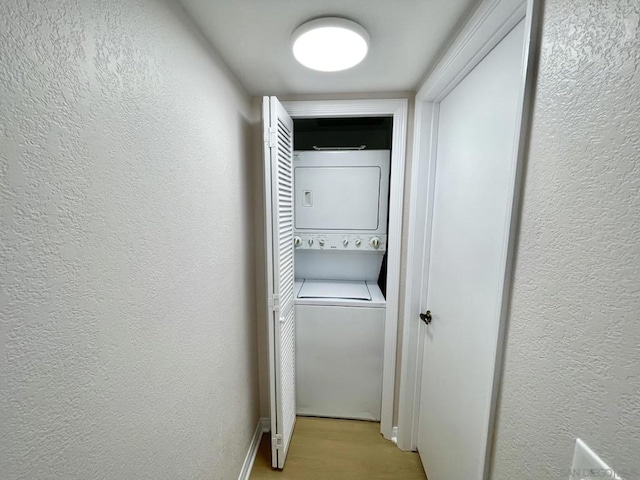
pixel 334 181
pixel 342 170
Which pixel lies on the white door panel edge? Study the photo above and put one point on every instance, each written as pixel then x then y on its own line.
pixel 278 179
pixel 485 28
pixel 397 108
pixel 532 26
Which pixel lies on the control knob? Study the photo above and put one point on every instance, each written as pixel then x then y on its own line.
pixel 310 241
pixel 358 242
pixel 374 242
pixel 345 242
pixel 321 242
pixel 297 241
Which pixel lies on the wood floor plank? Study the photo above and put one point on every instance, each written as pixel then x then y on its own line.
pixel 331 449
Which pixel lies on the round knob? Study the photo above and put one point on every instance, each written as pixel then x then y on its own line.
pixel 374 242
pixel 297 241
pixel 310 241
pixel 321 242
pixel 426 317
pixel 358 242
pixel 345 242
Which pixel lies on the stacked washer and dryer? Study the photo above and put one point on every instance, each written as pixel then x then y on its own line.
pixel 341 208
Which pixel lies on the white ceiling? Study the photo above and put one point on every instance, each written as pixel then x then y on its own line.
pixel 253 39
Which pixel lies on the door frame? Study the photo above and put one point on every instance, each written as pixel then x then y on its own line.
pixel 486 27
pixel 396 108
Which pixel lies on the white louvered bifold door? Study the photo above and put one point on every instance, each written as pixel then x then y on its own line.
pixel 278 159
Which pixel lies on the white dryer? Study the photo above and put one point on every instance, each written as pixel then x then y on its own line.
pixel 340 237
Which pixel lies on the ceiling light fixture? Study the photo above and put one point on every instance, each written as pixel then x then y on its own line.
pixel 330 44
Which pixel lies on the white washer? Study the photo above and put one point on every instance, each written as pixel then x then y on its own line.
pixel 339 349
pixel 340 227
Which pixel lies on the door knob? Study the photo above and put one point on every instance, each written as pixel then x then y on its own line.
pixel 426 317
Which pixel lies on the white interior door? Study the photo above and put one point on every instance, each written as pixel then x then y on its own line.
pixel 474 184
pixel 278 164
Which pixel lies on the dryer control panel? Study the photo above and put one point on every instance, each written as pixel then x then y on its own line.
pixel 340 242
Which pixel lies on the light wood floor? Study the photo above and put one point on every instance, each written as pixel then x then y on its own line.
pixel 331 449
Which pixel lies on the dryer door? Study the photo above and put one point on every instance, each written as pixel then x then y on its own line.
pixel 342 191
pixel 278 164
pixel 337 198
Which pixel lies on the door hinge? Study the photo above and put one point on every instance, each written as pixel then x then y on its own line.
pixel 274 303
pixel 273 136
pixel 276 441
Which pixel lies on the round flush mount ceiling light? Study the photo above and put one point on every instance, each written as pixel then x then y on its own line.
pixel 330 44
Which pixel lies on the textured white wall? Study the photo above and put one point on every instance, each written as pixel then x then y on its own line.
pixel 127 311
pixel 572 365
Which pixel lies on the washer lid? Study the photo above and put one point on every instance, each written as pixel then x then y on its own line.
pixel 334 289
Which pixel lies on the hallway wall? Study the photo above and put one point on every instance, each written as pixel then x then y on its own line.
pixel 573 343
pixel 127 311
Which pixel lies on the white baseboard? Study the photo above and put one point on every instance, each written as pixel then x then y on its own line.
pixel 266 424
pixel 263 426
pixel 394 434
